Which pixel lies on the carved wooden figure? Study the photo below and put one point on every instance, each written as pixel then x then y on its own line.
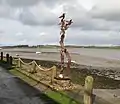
pixel 64 25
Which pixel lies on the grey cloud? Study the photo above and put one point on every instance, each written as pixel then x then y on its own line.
pixel 83 20
pixel 1 32
pixel 40 14
pixel 106 9
pixel 26 17
pixel 24 13
pixel 45 17
pixel 107 15
pixel 4 11
pixel 1 1
pixel 74 35
pixel 52 3
pixel 101 24
pixel 17 3
pixel 21 3
pixel 92 37
pixel 38 18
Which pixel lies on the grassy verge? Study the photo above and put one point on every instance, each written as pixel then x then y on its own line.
pixel 60 98
pixel 22 76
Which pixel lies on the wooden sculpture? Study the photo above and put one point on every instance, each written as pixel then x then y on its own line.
pixel 64 25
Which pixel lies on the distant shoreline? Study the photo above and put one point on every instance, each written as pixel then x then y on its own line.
pixel 67 46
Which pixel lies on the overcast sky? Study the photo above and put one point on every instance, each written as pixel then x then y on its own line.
pixel 96 22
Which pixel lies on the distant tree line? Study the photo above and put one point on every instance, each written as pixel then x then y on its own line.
pixel 56 46
pixel 16 46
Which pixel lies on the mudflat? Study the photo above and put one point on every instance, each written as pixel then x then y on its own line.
pixel 82 56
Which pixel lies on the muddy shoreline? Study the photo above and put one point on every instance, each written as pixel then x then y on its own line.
pixel 104 77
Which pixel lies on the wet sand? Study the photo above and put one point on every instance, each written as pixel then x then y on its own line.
pixel 109 58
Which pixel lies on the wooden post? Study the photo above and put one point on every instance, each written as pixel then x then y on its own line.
pixel 11 59
pixel 88 89
pixel 53 74
pixel 19 63
pixel 7 58
pixel 34 67
pixel 1 56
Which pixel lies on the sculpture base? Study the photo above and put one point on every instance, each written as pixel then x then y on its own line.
pixel 64 78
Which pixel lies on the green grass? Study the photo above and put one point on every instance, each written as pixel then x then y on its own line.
pixel 61 97
pixel 23 77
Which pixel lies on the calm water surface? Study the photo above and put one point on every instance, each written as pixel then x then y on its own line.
pixel 103 53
